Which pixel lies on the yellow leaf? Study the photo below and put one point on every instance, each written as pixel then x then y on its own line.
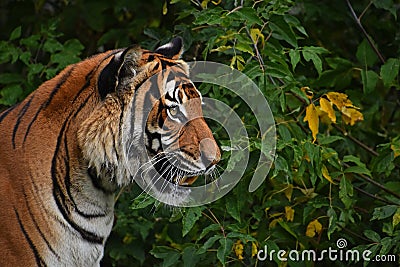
pixel 288 191
pixel 340 100
pixel 313 121
pixel 221 48
pixel 128 238
pixel 289 212
pixel 396 150
pixel 254 249
pixel 328 108
pixel 256 35
pixel 165 8
pixel 396 218
pixel 351 115
pixel 273 223
pixel 204 4
pixel 238 247
pixel 308 92
pixel 216 2
pixel 314 227
pixel 323 116
pixel 326 175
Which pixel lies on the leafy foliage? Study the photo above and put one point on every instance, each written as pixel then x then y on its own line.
pixel 332 82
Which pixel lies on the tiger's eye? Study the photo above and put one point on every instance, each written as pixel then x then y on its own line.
pixel 173 111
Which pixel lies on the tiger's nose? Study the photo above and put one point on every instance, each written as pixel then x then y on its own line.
pixel 209 152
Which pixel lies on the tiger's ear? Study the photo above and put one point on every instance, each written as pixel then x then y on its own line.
pixel 172 50
pixel 121 68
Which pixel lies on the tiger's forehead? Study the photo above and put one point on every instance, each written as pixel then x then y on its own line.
pixel 179 88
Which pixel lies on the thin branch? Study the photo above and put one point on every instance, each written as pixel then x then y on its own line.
pixel 358 22
pixel 369 180
pixel 355 140
pixel 255 48
pixel 365 10
pixel 374 196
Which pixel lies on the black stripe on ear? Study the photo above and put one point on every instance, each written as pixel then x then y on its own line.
pixel 172 49
pixel 121 66
pixel 108 78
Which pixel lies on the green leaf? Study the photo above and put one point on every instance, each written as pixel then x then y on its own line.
pixel 282 31
pixel 190 217
pixel 244 47
pixel 387 5
pixel 384 162
pixel 209 243
pixel 387 244
pixel 249 15
pixel 360 168
pixel 369 80
pixel 52 45
pixel 244 237
pixel 390 70
pixel 374 236
pixel 169 255
pixel 8 78
pixel 209 16
pixel 189 257
pixel 384 212
pixel 309 54
pixel 15 34
pixel 294 55
pixel 31 41
pixel 332 227
pixel 288 228
pixel 10 95
pixel 232 207
pixel 142 201
pixel 346 192
pixel 210 228
pixel 326 140
pixel 224 249
pixel 365 54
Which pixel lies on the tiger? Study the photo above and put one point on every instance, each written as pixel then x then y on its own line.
pixel 75 141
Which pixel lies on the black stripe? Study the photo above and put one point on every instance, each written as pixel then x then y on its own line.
pixel 62 203
pixel 97 182
pixel 37 225
pixel 20 115
pixel 62 80
pixel 67 182
pixel 38 258
pixel 5 112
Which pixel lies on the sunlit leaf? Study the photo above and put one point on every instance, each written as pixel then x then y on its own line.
pixel 328 108
pixel 325 174
pixel 289 213
pixel 396 218
pixel 238 248
pixel 340 100
pixel 351 115
pixel 313 228
pixel 312 119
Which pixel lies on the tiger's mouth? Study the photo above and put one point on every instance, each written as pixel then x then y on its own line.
pixel 171 173
pixel 185 180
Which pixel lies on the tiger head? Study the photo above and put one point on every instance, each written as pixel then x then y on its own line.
pixel 148 124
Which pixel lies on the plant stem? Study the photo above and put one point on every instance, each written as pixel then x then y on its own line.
pixel 355 140
pixel 358 22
